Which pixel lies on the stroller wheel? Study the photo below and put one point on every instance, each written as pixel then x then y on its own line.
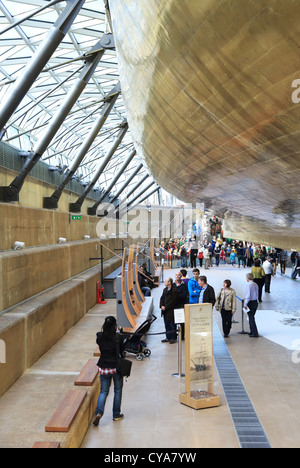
pixel 139 357
pixel 147 352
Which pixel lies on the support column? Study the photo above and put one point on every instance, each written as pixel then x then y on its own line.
pixel 76 207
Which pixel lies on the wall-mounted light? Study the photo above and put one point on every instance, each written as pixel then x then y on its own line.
pixel 62 240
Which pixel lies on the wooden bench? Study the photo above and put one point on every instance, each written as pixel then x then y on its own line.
pixel 109 284
pixel 66 412
pixel 88 374
pixel 46 445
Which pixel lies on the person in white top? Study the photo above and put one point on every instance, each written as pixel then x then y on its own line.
pixel 268 269
pixel 251 302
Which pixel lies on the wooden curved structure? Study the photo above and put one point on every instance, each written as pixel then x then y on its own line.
pixel 132 307
pixel 212 91
pixel 130 282
pixel 139 292
pixel 126 302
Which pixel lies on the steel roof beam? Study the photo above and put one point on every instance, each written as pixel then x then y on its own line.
pixel 11 193
pixel 76 207
pixel 52 202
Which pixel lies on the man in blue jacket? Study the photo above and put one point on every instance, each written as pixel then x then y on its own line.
pixel 194 288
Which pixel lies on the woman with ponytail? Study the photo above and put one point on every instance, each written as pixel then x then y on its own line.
pixel 109 342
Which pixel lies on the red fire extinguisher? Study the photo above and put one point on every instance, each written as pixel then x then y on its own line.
pixel 100 294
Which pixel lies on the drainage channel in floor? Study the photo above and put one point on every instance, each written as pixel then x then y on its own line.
pixel 247 424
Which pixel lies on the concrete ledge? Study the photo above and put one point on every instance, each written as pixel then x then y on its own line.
pixel 31 329
pixel 25 273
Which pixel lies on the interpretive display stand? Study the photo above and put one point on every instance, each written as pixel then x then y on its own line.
pixel 199 358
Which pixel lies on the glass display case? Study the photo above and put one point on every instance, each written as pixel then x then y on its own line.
pixel 198 384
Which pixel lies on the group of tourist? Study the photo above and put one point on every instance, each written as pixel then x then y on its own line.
pixel 218 251
pixel 196 290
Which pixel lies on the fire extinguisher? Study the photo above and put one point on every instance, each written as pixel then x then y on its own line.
pixel 100 294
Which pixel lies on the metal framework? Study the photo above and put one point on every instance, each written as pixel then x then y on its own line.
pixel 61 100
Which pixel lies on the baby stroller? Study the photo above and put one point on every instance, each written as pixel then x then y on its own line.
pixel 134 343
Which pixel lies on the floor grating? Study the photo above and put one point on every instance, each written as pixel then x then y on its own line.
pixel 247 424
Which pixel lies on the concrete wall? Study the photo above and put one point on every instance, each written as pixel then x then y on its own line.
pixel 36 226
pixel 46 288
pixel 27 272
pixel 30 329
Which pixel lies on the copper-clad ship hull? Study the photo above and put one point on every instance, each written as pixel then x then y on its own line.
pixel 212 91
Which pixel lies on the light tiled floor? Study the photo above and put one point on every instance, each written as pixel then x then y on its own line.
pixel 154 418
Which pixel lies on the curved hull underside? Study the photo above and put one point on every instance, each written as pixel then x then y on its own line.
pixel 212 91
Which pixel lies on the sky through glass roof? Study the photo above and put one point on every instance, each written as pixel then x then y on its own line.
pixel 29 122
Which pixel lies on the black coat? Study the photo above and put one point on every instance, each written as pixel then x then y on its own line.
pixel 169 300
pixel 182 296
pixel 108 350
pixel 209 295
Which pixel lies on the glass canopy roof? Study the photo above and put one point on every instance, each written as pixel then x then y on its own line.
pixel 28 123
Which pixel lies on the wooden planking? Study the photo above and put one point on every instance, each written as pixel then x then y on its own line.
pixel 88 374
pixel 66 412
pixel 46 445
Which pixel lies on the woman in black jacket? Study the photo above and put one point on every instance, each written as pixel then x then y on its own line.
pixel 108 341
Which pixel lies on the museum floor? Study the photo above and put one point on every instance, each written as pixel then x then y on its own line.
pixel 154 418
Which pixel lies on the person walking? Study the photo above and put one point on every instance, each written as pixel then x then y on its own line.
pixel 296 269
pixel 183 255
pixel 167 304
pixel 109 342
pixel 194 252
pixel 200 256
pixel 217 255
pixel 248 257
pixel 206 258
pixel 226 305
pixel 241 255
pixel 223 256
pixel 232 257
pixel 251 304
pixel 283 256
pixel 268 269
pixel 258 277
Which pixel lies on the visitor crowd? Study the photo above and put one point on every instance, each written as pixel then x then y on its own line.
pixel 262 260
pixel 190 253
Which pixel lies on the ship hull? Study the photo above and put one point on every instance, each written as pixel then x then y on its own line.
pixel 212 93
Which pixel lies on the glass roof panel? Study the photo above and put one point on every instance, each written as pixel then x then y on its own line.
pixel 44 99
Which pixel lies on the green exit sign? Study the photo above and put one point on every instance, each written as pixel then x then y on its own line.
pixel 76 217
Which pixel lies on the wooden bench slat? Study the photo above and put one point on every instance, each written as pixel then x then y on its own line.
pixel 64 415
pixel 46 445
pixel 88 374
